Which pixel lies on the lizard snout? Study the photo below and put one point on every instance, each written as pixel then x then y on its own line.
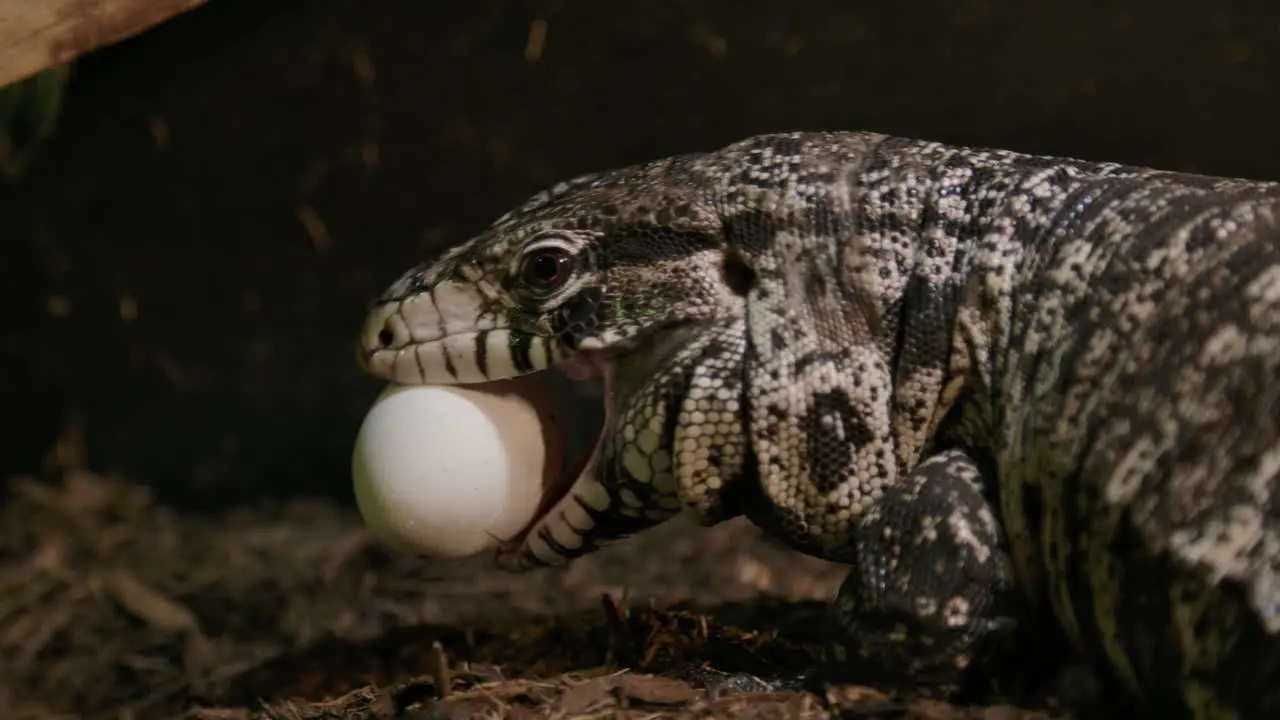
pixel 384 331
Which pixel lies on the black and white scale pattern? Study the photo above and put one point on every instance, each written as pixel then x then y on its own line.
pixel 970 374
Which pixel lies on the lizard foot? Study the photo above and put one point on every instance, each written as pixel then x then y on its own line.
pixel 930 588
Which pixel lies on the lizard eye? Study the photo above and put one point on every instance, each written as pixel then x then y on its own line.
pixel 546 269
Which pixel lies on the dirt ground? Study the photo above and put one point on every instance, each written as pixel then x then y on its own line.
pixel 112 606
pixel 186 265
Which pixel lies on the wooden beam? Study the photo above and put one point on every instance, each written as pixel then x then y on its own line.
pixel 38 34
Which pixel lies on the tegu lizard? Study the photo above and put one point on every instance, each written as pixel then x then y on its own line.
pixel 994 384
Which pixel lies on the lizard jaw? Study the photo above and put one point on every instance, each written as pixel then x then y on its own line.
pixel 572 503
pixel 626 482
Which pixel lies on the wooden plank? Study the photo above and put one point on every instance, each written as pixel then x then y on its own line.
pixel 39 34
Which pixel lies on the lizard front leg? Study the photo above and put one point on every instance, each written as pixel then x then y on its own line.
pixel 928 576
pixel 848 350
pixel 930 588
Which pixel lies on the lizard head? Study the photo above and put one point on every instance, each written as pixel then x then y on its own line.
pixel 595 285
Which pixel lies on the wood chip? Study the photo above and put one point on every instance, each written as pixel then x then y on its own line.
pixel 588 696
pixel 441 676
pixel 148 605
pixel 932 710
pixel 857 697
pixel 655 690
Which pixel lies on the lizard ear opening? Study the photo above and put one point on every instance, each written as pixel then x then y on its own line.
pixel 738 275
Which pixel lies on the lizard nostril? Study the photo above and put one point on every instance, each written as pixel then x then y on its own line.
pixel 386 337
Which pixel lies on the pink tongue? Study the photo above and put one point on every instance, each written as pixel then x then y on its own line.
pixel 579 367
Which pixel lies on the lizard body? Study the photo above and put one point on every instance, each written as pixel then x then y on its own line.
pixel 985 380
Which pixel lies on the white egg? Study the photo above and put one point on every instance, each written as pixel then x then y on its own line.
pixel 449 471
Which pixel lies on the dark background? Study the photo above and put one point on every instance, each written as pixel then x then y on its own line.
pixel 158 279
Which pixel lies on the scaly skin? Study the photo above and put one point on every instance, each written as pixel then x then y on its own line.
pixel 994 384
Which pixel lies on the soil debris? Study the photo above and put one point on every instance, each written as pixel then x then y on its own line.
pixel 113 606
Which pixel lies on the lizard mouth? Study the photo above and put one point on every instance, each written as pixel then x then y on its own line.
pixel 576 398
pixel 588 498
